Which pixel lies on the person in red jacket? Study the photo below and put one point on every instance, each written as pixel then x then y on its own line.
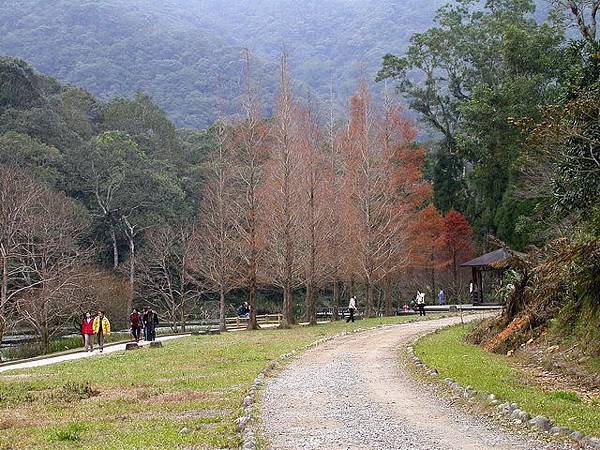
pixel 135 323
pixel 88 332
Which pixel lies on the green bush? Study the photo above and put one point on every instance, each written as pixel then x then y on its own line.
pixel 67 433
pixel 565 395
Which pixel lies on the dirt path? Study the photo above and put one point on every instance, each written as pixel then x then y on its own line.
pixel 79 355
pixel 353 393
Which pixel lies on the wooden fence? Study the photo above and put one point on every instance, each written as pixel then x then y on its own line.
pixel 239 322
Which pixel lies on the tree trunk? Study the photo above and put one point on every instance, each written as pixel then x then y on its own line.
pixel 433 276
pixel 131 275
pixel 45 339
pixel 387 297
pixel 252 322
pixel 3 296
pixel 336 300
pixel 183 319
pixel 113 237
pixel 222 325
pixel 311 310
pixel 174 314
pixel 369 310
pixel 286 310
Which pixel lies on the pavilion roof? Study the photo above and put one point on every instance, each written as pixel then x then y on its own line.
pixel 489 259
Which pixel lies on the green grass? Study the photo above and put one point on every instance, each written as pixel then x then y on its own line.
pixel 143 398
pixel 468 364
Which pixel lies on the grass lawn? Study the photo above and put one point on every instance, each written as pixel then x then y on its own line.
pixel 142 399
pixel 447 352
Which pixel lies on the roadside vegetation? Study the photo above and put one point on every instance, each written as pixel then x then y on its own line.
pixel 146 397
pixel 468 364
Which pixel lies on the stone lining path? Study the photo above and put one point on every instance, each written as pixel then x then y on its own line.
pixel 352 393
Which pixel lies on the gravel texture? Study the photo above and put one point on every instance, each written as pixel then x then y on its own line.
pixel 353 393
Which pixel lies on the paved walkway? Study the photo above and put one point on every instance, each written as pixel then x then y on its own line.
pixel 79 355
pixel 353 393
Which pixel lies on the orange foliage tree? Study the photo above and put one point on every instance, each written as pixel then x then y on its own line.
pixel 429 243
pixel 280 195
pixel 384 186
pixel 458 237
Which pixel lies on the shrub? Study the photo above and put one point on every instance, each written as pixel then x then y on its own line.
pixel 67 433
pixel 565 395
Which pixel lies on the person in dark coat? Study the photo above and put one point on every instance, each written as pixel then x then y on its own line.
pixel 146 324
pixel 155 323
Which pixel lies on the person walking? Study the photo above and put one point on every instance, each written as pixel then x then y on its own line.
pixel 155 323
pixel 87 330
pixel 441 298
pixel 351 309
pixel 135 324
pixel 421 303
pixel 101 328
pixel 145 323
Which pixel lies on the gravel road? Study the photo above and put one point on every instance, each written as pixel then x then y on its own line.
pixel 354 393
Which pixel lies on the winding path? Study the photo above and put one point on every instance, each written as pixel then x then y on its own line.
pixel 353 393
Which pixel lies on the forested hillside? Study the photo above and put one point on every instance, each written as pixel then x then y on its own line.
pixel 186 54
pixel 516 105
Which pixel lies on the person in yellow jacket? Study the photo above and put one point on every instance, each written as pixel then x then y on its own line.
pixel 101 328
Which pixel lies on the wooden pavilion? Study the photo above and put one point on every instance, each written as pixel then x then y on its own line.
pixel 486 263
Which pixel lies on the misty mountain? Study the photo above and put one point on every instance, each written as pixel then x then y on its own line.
pixel 186 54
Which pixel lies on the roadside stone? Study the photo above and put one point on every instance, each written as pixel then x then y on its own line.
pixel 517 421
pixel 185 430
pixel 577 435
pixel 592 442
pixel 242 422
pixel 494 402
pixel 247 400
pixel 156 344
pixel 541 423
pixel 132 346
pixel 468 394
pixel 524 416
pixel 516 413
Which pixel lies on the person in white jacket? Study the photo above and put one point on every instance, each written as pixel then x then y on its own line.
pixel 351 309
pixel 421 302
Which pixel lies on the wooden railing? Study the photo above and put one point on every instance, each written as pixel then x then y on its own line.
pixel 237 322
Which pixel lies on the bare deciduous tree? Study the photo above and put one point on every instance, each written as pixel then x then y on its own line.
pixel 315 232
pixel 217 238
pixel 249 151
pixel 384 186
pixel 281 199
pixel 164 272
pixel 52 265
pixel 18 196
